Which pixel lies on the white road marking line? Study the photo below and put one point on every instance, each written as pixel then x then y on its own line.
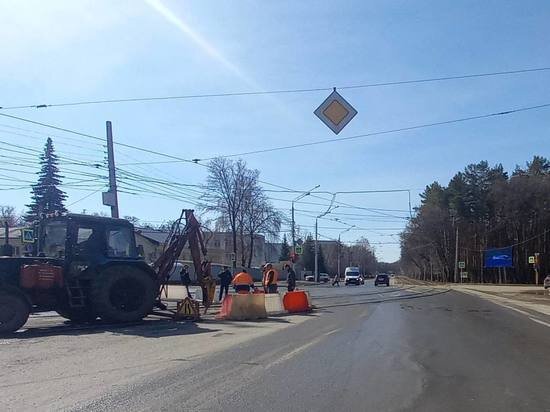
pixel 516 309
pixel 332 331
pixel 294 352
pixel 540 321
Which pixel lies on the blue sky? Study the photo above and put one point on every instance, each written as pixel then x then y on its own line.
pixel 69 51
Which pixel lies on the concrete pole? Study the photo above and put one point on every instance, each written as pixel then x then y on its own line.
pixel 112 172
pixel 293 231
pixel 456 256
pixel 316 254
pixel 339 251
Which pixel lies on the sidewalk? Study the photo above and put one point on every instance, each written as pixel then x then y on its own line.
pixel 527 299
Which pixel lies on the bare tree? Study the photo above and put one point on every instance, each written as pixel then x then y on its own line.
pixel 260 217
pixel 9 215
pixel 227 187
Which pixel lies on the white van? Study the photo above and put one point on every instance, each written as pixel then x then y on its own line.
pixel 353 276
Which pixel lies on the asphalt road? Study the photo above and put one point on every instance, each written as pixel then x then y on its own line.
pixel 365 349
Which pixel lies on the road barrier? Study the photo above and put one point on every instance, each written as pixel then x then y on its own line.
pixel 274 304
pixel 297 301
pixel 243 307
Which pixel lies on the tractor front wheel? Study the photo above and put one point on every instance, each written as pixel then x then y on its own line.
pixel 14 311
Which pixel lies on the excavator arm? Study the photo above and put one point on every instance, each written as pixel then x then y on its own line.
pixel 186 231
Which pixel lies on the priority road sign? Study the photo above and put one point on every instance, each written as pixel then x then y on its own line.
pixel 299 250
pixel 531 260
pixel 462 265
pixel 27 236
pixel 335 112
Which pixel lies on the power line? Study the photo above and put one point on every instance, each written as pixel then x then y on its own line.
pixel 281 91
pixel 340 192
pixel 316 142
pixel 382 132
pixel 180 159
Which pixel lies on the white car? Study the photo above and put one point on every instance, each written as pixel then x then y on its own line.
pixel 547 282
pixel 353 276
pixel 323 277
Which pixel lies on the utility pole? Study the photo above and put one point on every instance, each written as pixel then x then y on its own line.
pixel 456 256
pixel 293 221
pixel 316 274
pixel 330 209
pixel 339 252
pixel 110 198
pixel 340 245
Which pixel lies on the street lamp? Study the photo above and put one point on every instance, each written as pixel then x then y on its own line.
pixel 340 245
pixel 330 209
pixel 293 227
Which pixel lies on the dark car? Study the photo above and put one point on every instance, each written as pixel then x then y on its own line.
pixel 382 279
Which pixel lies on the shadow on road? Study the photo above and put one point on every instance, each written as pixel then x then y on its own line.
pixel 148 328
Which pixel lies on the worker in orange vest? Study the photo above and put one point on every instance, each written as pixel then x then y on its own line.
pixel 243 282
pixel 269 281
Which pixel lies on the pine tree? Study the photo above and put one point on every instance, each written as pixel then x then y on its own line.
pixel 308 257
pixel 321 261
pixel 285 250
pixel 46 196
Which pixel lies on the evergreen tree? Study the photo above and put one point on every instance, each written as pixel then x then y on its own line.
pixel 285 250
pixel 308 257
pixel 46 196
pixel 320 261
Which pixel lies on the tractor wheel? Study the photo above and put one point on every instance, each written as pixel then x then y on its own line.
pixel 14 311
pixel 123 294
pixel 77 315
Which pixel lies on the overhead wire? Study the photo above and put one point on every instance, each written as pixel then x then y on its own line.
pixel 280 91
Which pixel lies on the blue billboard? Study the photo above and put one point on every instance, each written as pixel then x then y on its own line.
pixel 499 258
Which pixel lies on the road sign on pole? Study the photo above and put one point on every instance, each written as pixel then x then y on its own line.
pixel 531 260
pixel 299 249
pixel 27 236
pixel 335 112
pixel 462 265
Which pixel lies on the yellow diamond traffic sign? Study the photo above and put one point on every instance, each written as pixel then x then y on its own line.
pixel 335 112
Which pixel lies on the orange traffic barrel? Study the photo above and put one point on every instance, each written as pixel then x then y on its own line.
pixel 296 301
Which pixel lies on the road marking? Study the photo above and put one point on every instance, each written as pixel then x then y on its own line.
pixel 332 331
pixel 516 309
pixel 294 352
pixel 540 321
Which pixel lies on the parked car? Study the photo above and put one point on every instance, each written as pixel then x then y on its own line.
pixel 547 282
pixel 324 277
pixel 352 276
pixel 382 279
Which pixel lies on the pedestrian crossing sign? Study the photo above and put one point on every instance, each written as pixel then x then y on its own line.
pixel 27 236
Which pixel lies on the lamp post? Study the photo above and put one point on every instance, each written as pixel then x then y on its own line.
pixel 330 209
pixel 340 246
pixel 293 226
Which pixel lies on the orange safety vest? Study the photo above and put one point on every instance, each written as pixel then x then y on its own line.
pixel 267 275
pixel 243 278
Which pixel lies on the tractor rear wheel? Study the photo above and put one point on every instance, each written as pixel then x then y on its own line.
pixel 123 294
pixel 14 311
